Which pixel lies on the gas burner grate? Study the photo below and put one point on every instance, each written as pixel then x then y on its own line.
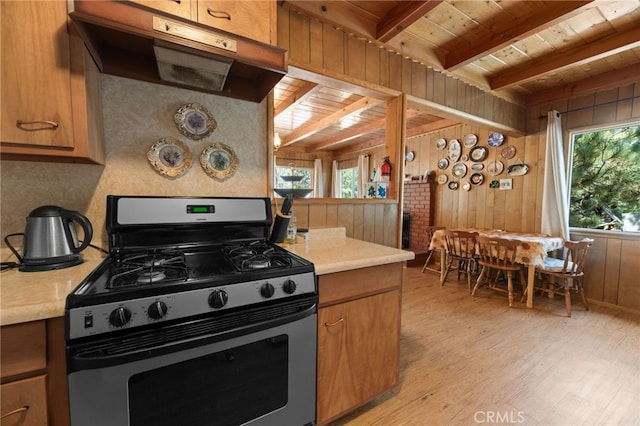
pixel 148 268
pixel 255 255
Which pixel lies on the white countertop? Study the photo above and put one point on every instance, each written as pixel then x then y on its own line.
pixel 30 296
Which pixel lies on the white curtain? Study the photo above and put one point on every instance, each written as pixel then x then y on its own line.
pixel 318 184
pixel 555 199
pixel 335 180
pixel 363 174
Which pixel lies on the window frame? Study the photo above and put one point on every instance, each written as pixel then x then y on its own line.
pixel 570 146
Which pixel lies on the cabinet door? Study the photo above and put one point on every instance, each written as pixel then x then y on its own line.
pixel 358 352
pixel 251 19
pixel 35 74
pixel 24 402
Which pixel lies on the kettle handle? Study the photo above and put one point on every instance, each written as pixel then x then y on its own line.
pixel 86 227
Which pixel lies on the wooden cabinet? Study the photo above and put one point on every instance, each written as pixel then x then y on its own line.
pixel 23 364
pixel 51 94
pixel 34 374
pixel 358 338
pixel 254 19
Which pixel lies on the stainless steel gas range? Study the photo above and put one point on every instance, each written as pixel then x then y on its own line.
pixel 194 318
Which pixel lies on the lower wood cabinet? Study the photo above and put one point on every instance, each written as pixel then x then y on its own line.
pixel 34 375
pixel 24 402
pixel 358 339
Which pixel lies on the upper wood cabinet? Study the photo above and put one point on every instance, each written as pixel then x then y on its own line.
pixel 254 19
pixel 51 93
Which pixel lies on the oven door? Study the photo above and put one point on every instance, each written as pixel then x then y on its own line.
pixel 263 374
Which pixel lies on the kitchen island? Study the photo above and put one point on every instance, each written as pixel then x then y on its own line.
pixel 357 280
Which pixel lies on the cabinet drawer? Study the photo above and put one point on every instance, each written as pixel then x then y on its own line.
pixel 23 348
pixel 251 19
pixel 180 8
pixel 24 402
pixel 347 285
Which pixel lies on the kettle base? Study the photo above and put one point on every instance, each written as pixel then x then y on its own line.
pixel 38 265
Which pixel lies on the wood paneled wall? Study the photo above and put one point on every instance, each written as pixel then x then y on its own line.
pixel 317 47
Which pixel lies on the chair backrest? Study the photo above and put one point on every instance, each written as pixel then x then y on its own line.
pixel 461 243
pixel 576 256
pixel 498 252
pixel 432 230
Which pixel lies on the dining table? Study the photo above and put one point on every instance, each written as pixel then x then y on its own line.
pixel 532 252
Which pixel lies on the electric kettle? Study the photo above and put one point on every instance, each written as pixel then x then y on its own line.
pixel 50 239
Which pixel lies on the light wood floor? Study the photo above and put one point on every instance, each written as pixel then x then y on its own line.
pixel 473 360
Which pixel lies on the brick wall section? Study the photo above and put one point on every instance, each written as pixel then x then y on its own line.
pixel 418 202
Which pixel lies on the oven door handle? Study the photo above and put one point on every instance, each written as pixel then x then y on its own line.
pixel 110 352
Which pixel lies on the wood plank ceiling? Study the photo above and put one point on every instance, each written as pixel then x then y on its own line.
pixel 529 52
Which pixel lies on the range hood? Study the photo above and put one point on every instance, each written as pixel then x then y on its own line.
pixel 130 40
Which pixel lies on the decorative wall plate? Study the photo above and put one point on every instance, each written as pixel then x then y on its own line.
pixel 454 150
pixel 443 163
pixel 477 166
pixel 517 169
pixel 410 156
pixel 494 168
pixel 496 139
pixel 459 170
pixel 453 185
pixel 219 161
pixel 466 186
pixel 470 140
pixel 195 121
pixel 442 179
pixel 478 153
pixel 169 157
pixel 508 152
pixel 441 144
pixel 477 178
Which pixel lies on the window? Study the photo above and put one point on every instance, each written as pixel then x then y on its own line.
pixel 349 183
pixel 605 179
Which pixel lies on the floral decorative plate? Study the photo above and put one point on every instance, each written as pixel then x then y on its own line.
pixel 508 152
pixel 496 139
pixel 441 144
pixel 459 170
pixel 517 169
pixel 443 163
pixel 169 157
pixel 466 186
pixel 470 140
pixel 442 179
pixel 477 178
pixel 219 161
pixel 494 168
pixel 195 121
pixel 454 150
pixel 478 153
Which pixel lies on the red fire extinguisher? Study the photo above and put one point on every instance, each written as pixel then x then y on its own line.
pixel 385 168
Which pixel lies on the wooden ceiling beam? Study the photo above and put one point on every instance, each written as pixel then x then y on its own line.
pixel 357 131
pixel 305 91
pixel 316 126
pixel 401 16
pixel 595 50
pixel 516 30
pixel 604 81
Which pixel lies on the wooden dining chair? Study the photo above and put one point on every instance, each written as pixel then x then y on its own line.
pixel 564 275
pixel 461 248
pixel 498 254
pixel 430 231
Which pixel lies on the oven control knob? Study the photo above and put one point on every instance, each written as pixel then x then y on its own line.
pixel 120 317
pixel 157 310
pixel 267 290
pixel 289 286
pixel 218 298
